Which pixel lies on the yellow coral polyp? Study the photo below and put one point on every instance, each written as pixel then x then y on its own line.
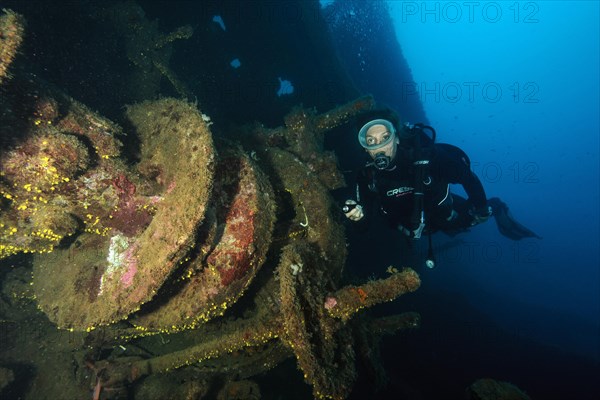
pixel 91 223
pixel 9 250
pixel 47 234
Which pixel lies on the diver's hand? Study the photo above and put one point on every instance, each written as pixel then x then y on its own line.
pixel 353 211
pixel 480 215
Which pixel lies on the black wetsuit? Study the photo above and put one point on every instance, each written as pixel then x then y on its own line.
pixel 396 187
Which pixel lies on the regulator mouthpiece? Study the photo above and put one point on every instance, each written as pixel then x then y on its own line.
pixel 381 161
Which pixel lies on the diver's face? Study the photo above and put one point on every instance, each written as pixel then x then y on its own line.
pixel 378 134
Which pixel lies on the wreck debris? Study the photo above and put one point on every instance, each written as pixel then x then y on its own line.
pixel 488 389
pixel 152 251
pixel 232 247
pixel 12 27
pixel 183 233
pixel 59 173
pixel 323 345
pixel 345 302
pixel 188 243
pixel 146 47
pixel 113 267
pixel 314 210
pixel 303 135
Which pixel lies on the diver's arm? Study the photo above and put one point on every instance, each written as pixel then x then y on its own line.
pixel 474 190
pixel 454 165
pixel 360 202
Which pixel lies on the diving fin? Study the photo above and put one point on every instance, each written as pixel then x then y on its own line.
pixel 507 224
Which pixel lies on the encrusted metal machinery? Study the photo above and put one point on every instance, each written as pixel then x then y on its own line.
pixel 230 251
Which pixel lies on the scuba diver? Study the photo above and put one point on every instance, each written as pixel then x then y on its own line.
pixel 410 174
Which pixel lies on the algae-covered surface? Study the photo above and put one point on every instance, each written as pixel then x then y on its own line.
pixel 106 276
pixel 233 243
pixel 210 259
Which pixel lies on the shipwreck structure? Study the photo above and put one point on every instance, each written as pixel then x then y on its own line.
pixel 209 258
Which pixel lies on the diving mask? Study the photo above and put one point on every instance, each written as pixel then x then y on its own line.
pixel 372 139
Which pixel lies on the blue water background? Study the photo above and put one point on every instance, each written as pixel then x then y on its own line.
pixel 515 84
